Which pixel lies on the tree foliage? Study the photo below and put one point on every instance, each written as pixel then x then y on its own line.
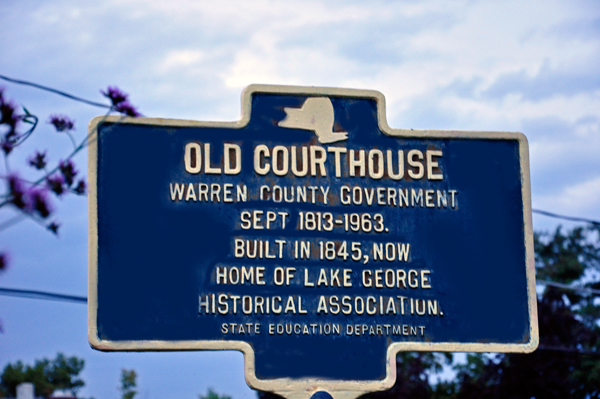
pixel 412 375
pixel 211 394
pixel 128 383
pixel 567 361
pixel 47 375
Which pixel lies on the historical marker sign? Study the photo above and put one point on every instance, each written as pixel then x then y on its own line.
pixel 312 237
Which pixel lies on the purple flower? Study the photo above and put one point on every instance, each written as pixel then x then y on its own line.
pixel 32 200
pixel 4 260
pixel 67 168
pixel 115 95
pixel 38 160
pixel 56 184
pixel 81 187
pixel 7 113
pixel 119 101
pixel 127 109
pixel 53 227
pixel 40 202
pixel 7 145
pixel 61 123
pixel 17 191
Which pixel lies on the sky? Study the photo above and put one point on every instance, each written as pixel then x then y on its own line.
pixel 520 66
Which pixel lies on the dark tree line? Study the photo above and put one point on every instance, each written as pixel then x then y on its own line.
pixel 567 361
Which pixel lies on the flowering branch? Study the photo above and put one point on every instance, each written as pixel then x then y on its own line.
pixel 32 198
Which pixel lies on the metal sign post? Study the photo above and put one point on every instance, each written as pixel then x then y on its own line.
pixel 310 236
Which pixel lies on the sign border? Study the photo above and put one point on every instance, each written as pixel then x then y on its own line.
pixel 303 388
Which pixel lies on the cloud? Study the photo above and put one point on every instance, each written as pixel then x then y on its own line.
pixel 180 59
pixel 585 28
pixel 548 82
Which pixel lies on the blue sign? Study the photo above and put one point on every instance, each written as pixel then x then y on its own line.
pixel 311 236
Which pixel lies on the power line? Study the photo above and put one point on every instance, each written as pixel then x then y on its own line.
pixel 571 218
pixel 569 287
pixel 55 91
pixel 570 350
pixel 34 294
pixel 71 298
